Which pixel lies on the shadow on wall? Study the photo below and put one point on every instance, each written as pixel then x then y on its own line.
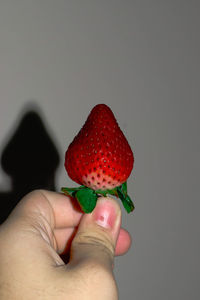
pixel 30 158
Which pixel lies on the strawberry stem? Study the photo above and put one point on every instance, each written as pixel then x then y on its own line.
pixel 87 197
pixel 107 192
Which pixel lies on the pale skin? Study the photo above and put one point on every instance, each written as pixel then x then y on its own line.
pixel 38 230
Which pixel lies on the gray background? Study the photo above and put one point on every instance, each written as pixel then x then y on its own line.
pixel 142 59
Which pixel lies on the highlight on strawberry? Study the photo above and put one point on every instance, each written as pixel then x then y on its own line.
pixel 100 159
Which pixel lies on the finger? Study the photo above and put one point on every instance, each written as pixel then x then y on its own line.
pixel 59 210
pixel 64 237
pixel 97 235
pixel 37 215
pixel 66 211
pixel 123 242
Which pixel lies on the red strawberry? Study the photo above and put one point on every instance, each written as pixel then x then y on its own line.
pixel 99 156
pixel 100 159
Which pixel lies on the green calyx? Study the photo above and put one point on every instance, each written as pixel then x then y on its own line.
pixel 87 198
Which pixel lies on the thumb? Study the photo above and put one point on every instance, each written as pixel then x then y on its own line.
pixel 97 235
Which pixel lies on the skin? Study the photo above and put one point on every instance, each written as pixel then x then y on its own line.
pixel 37 232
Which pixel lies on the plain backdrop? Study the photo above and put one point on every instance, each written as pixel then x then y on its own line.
pixel 60 58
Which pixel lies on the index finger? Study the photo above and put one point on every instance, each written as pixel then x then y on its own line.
pixel 59 210
pixel 66 211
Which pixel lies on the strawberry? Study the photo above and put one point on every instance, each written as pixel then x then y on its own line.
pixel 100 159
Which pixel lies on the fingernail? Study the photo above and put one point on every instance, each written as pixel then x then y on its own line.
pixel 105 213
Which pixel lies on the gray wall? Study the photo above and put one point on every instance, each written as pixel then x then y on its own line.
pixel 142 59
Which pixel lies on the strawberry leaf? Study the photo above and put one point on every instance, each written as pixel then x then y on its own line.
pixel 124 188
pixel 126 200
pixel 87 199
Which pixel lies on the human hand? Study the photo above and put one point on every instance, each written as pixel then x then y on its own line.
pixel 39 229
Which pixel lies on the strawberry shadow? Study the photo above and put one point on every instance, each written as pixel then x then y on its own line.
pixel 30 158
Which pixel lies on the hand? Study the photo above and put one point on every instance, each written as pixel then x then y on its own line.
pixel 39 229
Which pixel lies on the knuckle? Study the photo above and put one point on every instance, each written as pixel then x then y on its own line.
pixel 99 243
pixel 94 254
